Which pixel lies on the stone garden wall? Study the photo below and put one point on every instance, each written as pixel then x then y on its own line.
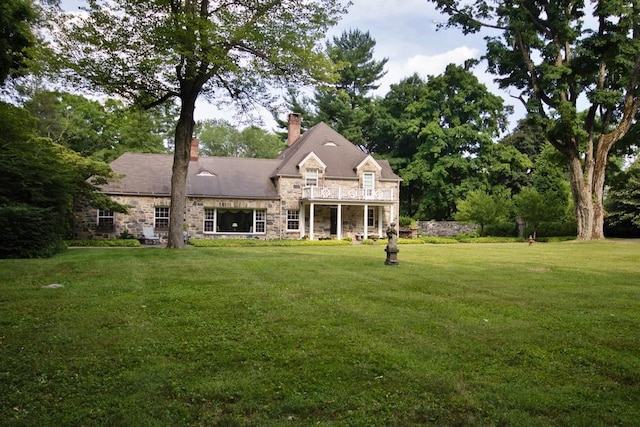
pixel 445 228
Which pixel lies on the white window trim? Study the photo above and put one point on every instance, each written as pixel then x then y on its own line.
pixel 156 217
pixel 255 221
pixel 297 219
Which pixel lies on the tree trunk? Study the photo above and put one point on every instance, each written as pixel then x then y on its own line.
pixel 599 171
pixel 581 191
pixel 181 155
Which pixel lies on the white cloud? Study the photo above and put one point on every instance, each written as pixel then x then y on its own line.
pixel 424 65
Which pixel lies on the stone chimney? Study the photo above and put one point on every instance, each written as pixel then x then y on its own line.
pixel 195 143
pixel 295 122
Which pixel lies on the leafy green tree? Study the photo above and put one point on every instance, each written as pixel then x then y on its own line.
pixel 156 51
pixel 102 131
pixel 546 50
pixel 439 136
pixel 482 208
pixel 623 204
pixel 17 38
pixel 346 104
pixel 39 181
pixel 533 208
pixel 220 138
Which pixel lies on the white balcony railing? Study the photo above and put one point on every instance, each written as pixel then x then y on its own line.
pixel 342 193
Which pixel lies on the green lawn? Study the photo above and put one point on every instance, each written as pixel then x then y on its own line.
pixel 467 334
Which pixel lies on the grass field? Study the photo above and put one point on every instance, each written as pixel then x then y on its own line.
pixel 486 334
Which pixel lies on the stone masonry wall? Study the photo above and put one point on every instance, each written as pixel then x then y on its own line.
pixel 445 228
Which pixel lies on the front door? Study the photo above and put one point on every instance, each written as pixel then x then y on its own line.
pixel 333 228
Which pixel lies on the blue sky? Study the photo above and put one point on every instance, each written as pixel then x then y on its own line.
pixel 405 33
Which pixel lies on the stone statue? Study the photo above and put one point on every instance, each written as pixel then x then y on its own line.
pixel 392 245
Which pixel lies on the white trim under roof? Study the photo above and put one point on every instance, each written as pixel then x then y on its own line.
pixel 367 159
pixel 314 156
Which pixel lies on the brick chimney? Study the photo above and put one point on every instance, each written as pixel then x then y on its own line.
pixel 295 122
pixel 195 143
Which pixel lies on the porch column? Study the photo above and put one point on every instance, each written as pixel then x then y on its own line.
pixel 392 215
pixel 366 222
pixel 339 219
pixel 312 209
pixel 380 220
pixel 302 225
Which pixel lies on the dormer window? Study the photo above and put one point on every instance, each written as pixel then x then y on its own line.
pixel 311 177
pixel 368 183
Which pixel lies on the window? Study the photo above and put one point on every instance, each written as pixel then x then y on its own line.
pixel 311 177
pixel 368 184
pixel 162 218
pixel 261 221
pixel 293 220
pixel 371 217
pixel 106 220
pixel 209 220
pixel 235 220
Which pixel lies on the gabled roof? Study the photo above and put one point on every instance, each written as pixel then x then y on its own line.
pixel 226 177
pixel 334 150
pixel 232 177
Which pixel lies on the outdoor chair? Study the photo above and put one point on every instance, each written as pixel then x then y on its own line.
pixel 149 237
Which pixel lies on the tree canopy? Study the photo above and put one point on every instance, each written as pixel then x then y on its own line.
pixel 220 138
pixel 439 134
pixel 559 54
pixel 154 51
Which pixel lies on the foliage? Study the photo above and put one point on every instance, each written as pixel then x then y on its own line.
pixel 155 51
pixel 220 138
pixel 558 59
pixel 28 231
pixel 482 208
pixel 17 37
pixel 405 221
pixel 102 243
pixel 345 104
pixel 438 135
pixel 491 334
pixel 102 131
pixel 215 243
pixel 39 177
pixel 623 204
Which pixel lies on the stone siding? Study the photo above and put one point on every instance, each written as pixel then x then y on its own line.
pixel 445 228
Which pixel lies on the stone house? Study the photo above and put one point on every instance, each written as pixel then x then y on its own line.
pixel 320 186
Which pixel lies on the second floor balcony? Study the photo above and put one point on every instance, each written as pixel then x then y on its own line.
pixel 348 194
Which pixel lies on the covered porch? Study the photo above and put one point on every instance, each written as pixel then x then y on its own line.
pixel 339 219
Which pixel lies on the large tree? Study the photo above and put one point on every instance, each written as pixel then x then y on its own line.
pixel 559 57
pixel 221 138
pixel 17 37
pixel 100 130
pixel 439 134
pixel 155 51
pixel 346 103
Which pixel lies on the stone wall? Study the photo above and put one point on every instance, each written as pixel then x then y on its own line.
pixel 445 228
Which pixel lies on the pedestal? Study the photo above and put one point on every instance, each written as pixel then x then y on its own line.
pixel 392 255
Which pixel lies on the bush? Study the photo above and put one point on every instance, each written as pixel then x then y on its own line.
pixel 213 243
pixel 405 221
pixel 502 229
pixel 105 243
pixel 29 232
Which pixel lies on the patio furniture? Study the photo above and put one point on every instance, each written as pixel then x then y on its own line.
pixel 149 237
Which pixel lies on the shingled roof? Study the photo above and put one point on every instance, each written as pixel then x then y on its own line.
pixel 338 153
pixel 226 177
pixel 232 177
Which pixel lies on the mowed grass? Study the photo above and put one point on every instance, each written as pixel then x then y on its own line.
pixel 486 334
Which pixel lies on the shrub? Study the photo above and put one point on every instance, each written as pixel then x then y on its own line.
pixel 105 243
pixel 405 221
pixel 501 229
pixel 30 232
pixel 212 243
